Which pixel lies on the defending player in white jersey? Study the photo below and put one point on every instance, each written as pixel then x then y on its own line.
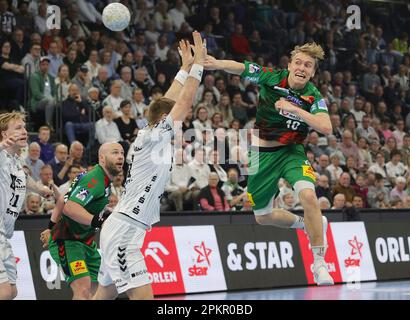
pixel 123 267
pixel 13 137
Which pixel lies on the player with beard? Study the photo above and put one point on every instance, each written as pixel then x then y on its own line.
pixel 13 137
pixel 71 242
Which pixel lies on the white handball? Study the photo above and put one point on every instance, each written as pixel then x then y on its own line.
pixel 116 16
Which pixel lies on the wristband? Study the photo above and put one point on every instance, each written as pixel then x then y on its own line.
pixel 181 76
pixel 51 224
pixel 196 71
pixel 96 222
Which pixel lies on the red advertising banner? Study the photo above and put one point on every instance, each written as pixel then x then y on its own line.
pixel 331 256
pixel 162 262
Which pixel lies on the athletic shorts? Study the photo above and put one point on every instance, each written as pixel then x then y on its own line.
pixel 77 260
pixel 122 261
pixel 268 165
pixel 8 266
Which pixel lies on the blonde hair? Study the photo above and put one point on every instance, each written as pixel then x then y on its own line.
pixel 5 119
pixel 312 49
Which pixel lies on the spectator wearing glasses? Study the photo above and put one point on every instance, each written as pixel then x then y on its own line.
pixel 32 59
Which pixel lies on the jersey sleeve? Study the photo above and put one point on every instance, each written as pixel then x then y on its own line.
pixel 88 188
pixel 259 75
pixel 319 104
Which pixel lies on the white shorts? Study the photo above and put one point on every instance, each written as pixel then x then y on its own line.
pixel 122 262
pixel 8 266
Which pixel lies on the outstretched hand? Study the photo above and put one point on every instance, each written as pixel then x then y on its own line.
pixel 199 48
pixel 210 63
pixel 185 52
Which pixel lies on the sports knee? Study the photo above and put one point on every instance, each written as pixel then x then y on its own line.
pixel 308 198
pixel 82 293
pixel 262 219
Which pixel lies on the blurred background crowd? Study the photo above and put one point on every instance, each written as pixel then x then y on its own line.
pixel 83 85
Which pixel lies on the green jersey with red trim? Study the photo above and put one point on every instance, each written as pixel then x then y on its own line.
pixel 90 190
pixel 281 126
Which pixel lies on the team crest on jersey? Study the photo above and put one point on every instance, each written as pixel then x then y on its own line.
pixel 82 195
pixel 290 115
pixel 254 69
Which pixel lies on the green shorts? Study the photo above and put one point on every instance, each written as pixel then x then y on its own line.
pixel 76 258
pixel 268 165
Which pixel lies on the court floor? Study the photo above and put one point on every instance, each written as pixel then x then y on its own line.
pixel 393 290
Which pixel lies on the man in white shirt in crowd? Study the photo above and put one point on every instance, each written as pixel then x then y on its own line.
pixel 177 187
pixel 137 103
pixel 235 194
pixel 365 130
pixel 199 172
pixel 117 186
pixel 357 110
pixel 399 133
pixel 106 130
pixel 339 201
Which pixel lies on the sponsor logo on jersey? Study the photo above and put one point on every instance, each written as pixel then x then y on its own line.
pixel 82 195
pixel 250 199
pixel 308 172
pixel 322 104
pixel 254 69
pixel 78 267
pixel 290 115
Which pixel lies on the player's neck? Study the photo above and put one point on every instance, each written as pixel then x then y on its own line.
pixel 294 86
pixel 13 150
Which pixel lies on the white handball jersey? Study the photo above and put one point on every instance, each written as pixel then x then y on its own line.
pixel 12 191
pixel 149 172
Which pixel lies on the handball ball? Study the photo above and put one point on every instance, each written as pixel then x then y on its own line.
pixel 116 16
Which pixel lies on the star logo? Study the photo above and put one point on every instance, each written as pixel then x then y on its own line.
pixel 356 246
pixel 203 253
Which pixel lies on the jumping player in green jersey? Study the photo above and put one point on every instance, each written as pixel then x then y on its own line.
pixel 288 105
pixel 71 242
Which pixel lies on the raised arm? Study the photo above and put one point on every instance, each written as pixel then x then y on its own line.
pixel 229 66
pixel 186 98
pixel 179 80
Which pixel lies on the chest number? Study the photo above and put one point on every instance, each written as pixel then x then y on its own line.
pixel 291 124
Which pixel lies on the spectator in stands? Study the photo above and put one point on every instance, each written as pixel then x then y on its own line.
pixel 161 48
pixel 365 130
pixel 343 186
pixel 82 80
pixel 199 170
pixel 209 84
pixel 19 44
pixel 235 194
pixel 323 163
pixel 177 187
pixel 46 180
pixel 364 155
pixel 62 82
pixel 388 147
pixel 93 103
pixel 334 169
pixel 106 130
pixel 405 150
pixel 40 20
pixel 371 79
pixel 358 202
pixel 361 189
pixel 378 195
pixel 72 172
pixel 76 116
pixel 395 167
pixel 126 124
pixel 33 204
pixel 202 121
pixel 208 101
pixel 402 78
pixel 81 52
pixel 60 164
pixel 92 63
pixel 117 185
pixel 177 14
pixel 324 203
pixel 46 152
pixel 43 91
pixel 399 133
pixel 211 197
pixel 102 82
pixel 137 103
pixel 313 144
pixel 398 191
pixel 323 188
pixel 32 59
pixel 337 131
pixel 339 201
pixel 114 99
pixel 240 108
pixel 24 19
pixel 348 147
pixel 73 17
pixel 239 42
pixel 76 153
pixel 161 14
pixel 352 168
pixel 11 74
pixel 379 166
pixel 7 18
pixel 56 59
pixel 33 160
pixel 211 43
pixel 127 85
pixel 71 61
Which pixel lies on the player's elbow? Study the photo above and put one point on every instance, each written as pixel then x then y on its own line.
pixel 327 130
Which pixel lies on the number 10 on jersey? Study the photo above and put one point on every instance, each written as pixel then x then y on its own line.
pixel 291 124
